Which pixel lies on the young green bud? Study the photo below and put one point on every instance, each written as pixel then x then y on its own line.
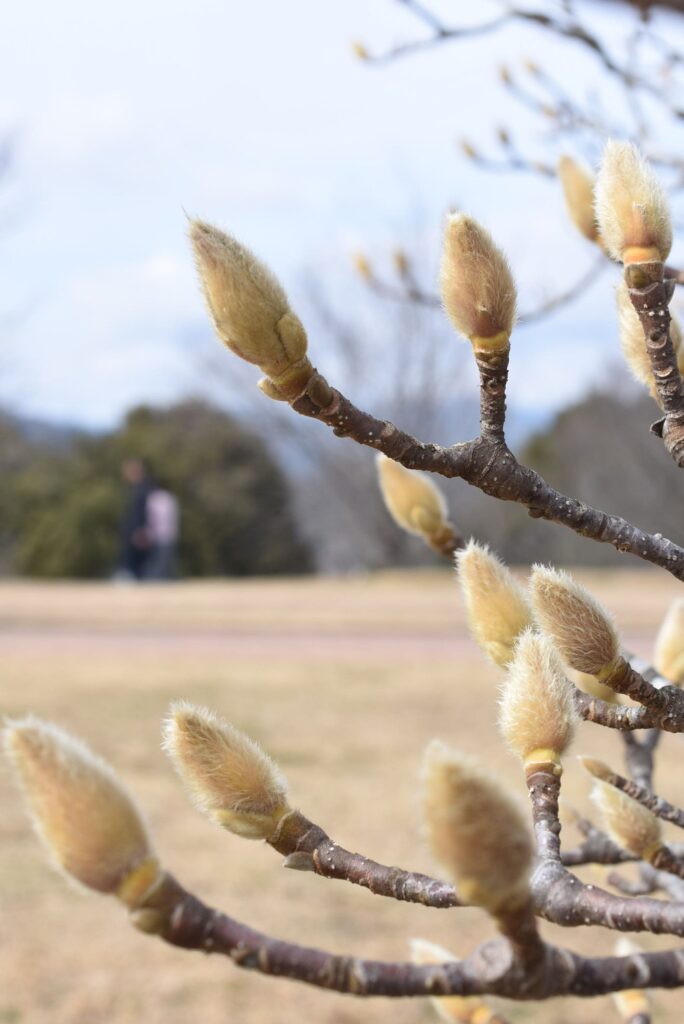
pixel 476 831
pixel 229 776
pixel 668 658
pixel 249 309
pixel 628 823
pixel 537 716
pixel 582 631
pixel 632 209
pixel 477 286
pixel 462 1009
pixel 81 811
pixel 496 606
pixel 412 499
pixel 578 191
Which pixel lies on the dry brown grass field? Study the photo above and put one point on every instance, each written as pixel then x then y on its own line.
pixel 344 682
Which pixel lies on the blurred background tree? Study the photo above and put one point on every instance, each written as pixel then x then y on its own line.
pixel 62 503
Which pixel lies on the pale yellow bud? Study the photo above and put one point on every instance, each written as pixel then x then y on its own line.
pixel 589 684
pixel 497 609
pixel 249 309
pixel 81 811
pixel 628 823
pixel 359 50
pixel 537 716
pixel 468 149
pixel 362 266
pixel 632 209
pixel 578 190
pixel 415 503
pixel 598 769
pixel 476 831
pixel 668 657
pixel 477 286
pixel 631 1003
pixel 582 631
pixel 462 1009
pixel 229 776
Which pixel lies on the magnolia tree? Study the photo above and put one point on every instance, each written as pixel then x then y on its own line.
pixel 559 649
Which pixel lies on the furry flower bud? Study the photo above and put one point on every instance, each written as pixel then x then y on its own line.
pixel 578 191
pixel 81 811
pixel 628 823
pixel 632 209
pixel 668 658
pixel 537 714
pixel 476 831
pixel 496 606
pixel 477 286
pixel 415 503
pixel 229 776
pixel 249 309
pixel 581 630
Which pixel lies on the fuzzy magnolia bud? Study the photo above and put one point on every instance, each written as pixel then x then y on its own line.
pixel 249 309
pixel 462 1009
pixel 411 498
pixel 495 602
pixel 581 630
pixel 628 823
pixel 599 769
pixel 229 776
pixel 538 716
pixel 476 831
pixel 632 1004
pixel 477 285
pixel 631 207
pixel 578 191
pixel 633 341
pixel 588 684
pixel 668 658
pixel 81 811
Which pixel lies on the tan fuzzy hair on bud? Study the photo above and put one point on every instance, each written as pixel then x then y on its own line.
pixel 411 498
pixel 476 831
pixel 632 1003
pixel 632 208
pixel 80 810
pixel 582 631
pixel 249 309
pixel 668 656
pixel 477 286
pixel 578 191
pixel 628 823
pixel 228 775
pixel 496 606
pixel 537 711
pixel 599 769
pixel 633 341
pixel 462 1009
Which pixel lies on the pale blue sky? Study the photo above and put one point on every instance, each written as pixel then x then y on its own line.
pixel 255 115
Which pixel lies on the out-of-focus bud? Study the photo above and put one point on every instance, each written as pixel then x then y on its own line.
pixel 359 50
pixel 578 191
pixel 401 262
pixel 668 658
pixel 229 776
pixel 633 341
pixel 497 609
pixel 81 811
pixel 505 74
pixel 476 831
pixel 468 149
pixel 249 309
pixel 599 769
pixel 415 503
pixel 537 716
pixel 582 631
pixel 632 209
pixel 532 67
pixel 462 1009
pixel 362 266
pixel 477 286
pixel 633 1004
pixel 503 136
pixel 628 823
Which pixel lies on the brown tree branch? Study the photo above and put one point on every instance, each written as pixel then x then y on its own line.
pixel 660 807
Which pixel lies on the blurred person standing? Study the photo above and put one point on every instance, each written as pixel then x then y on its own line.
pixel 162 516
pixel 135 541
